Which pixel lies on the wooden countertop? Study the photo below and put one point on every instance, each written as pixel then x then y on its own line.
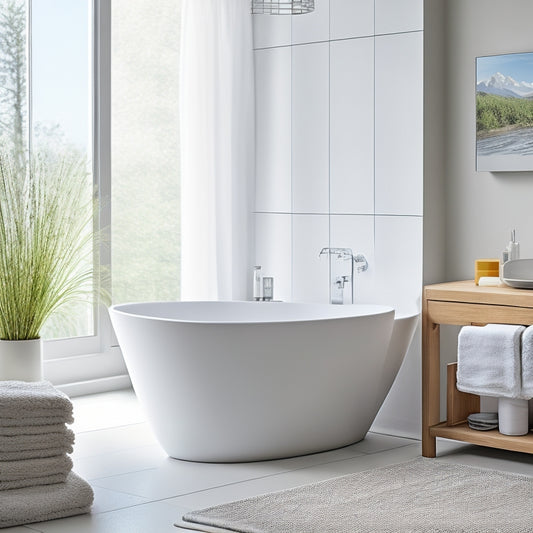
pixel 468 292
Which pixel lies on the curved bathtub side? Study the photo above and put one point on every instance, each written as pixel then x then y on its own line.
pixel 246 392
pixel 402 335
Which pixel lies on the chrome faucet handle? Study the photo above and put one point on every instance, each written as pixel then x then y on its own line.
pixel 360 262
pixel 341 280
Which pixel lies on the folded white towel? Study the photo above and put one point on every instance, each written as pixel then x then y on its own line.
pixel 21 400
pixel 32 482
pixel 38 504
pixel 34 421
pixel 527 363
pixel 489 360
pixel 20 447
pixel 22 455
pixel 47 441
pixel 34 468
pixel 31 430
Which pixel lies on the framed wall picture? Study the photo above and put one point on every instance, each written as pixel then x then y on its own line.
pixel 504 112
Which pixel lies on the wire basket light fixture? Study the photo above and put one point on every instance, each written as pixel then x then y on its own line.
pixel 282 7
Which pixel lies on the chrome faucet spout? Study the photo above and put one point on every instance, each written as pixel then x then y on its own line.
pixel 341 253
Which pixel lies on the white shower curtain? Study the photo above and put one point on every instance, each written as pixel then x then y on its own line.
pixel 217 146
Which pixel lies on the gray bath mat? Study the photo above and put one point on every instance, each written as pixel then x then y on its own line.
pixel 421 496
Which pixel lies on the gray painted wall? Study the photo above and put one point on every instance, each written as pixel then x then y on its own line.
pixel 467 214
pixel 481 207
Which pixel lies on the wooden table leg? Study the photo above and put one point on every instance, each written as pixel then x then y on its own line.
pixel 430 380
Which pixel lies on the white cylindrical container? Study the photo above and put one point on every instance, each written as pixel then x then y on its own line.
pixel 513 418
pixel 21 360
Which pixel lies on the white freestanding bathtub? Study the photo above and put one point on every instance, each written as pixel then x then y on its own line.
pixel 247 381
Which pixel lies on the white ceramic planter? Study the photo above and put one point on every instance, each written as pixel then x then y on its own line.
pixel 21 360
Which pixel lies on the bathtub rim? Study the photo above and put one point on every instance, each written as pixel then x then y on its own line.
pixel 373 310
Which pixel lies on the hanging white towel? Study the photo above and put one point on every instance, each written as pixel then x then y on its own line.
pixel 489 360
pixel 527 363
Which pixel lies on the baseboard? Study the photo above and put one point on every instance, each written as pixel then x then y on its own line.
pixel 95 386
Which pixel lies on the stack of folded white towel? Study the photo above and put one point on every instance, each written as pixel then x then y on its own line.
pixel 36 481
pixel 497 360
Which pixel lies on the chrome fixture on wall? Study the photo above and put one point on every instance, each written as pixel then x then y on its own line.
pixel 338 280
pixel 282 7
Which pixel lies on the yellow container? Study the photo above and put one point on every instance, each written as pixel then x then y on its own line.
pixel 487 267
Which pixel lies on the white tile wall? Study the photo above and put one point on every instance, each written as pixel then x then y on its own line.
pixel 273 251
pixel 351 18
pixel 310 272
pixel 355 123
pixel 393 16
pixel 271 31
pixel 273 129
pixel 310 128
pixel 352 126
pixel 398 261
pixel 312 27
pixel 398 123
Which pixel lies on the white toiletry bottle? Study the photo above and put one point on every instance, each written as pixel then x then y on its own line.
pixel 257 284
pixel 513 247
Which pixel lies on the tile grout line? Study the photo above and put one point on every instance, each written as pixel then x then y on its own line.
pixel 234 483
pixel 356 37
pixel 359 456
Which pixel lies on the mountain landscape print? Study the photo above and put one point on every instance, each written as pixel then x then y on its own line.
pixel 504 112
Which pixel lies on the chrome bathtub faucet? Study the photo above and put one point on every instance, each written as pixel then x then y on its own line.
pixel 338 280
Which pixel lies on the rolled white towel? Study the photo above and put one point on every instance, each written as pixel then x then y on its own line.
pixel 527 363
pixel 21 401
pixel 39 504
pixel 489 360
pixel 14 474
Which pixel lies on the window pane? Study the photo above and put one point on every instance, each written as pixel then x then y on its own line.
pixel 61 112
pixel 145 150
pixel 13 75
pixel 58 119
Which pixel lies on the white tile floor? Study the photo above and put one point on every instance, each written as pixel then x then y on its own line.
pixel 138 489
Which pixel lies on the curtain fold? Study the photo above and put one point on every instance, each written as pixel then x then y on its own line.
pixel 217 149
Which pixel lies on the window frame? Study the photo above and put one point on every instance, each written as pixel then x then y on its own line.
pixel 83 365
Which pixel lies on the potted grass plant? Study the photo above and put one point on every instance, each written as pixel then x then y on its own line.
pixel 46 252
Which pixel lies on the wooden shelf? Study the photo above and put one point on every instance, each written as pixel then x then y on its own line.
pixel 463 303
pixel 492 438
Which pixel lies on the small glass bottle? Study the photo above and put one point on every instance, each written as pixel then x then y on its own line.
pixel 268 289
pixel 257 283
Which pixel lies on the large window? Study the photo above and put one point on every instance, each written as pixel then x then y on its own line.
pixel 145 150
pixel 100 79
